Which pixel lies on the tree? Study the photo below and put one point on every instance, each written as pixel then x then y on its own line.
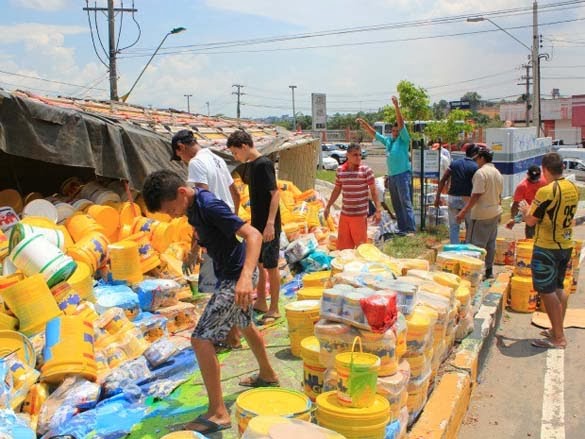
pixel 450 129
pixel 473 98
pixel 440 109
pixel 414 103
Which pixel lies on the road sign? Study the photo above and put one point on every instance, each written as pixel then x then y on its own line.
pixel 319 110
pixel 459 105
pixel 431 163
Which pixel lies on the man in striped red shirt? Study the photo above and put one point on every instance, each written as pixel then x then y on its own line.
pixel 353 180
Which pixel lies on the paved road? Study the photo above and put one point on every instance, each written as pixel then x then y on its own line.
pixel 526 391
pixel 377 163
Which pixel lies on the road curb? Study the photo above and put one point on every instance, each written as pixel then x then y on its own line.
pixel 446 408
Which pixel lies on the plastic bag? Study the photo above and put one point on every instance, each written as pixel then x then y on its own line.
pixel 379 311
pixel 157 293
pixel 316 261
pixel 160 352
pixel 300 248
pixel 12 426
pixel 131 373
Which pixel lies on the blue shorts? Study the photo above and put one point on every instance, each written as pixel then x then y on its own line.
pixel 549 268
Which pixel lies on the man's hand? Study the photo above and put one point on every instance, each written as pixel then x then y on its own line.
pixel 244 291
pixel 191 260
pixel 461 216
pixel 361 121
pixel 510 224
pixel 326 212
pixel 377 216
pixel 268 234
pixel 395 101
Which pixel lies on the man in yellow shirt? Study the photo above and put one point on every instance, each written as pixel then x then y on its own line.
pixel 552 211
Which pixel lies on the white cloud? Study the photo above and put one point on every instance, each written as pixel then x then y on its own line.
pixel 35 35
pixel 43 5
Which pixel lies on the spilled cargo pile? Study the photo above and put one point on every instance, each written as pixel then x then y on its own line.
pixel 96 316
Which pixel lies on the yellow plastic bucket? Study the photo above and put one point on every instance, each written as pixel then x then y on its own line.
pixel 7 281
pixel 143 224
pixel 266 427
pixel 81 281
pixel 418 326
pixel 125 261
pixel 68 350
pixel 292 231
pixel 93 250
pixel 301 316
pixel 128 212
pixel 358 375
pixel 162 236
pixel 523 298
pixel 313 370
pixel 67 299
pixel 353 423
pixel 310 293
pixel 384 347
pixel 523 259
pixel 32 303
pixel 38 221
pixel 273 402
pixel 316 279
pixel 448 263
pixel 505 249
pixel 16 342
pixel 79 225
pixel 471 269
pixel 8 322
pixel 105 216
pixel 148 257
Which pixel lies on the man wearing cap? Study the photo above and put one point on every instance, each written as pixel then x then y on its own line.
pixel 460 175
pixel 485 205
pixel 206 171
pixel 524 194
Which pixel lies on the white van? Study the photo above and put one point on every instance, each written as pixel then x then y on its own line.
pixel 574 166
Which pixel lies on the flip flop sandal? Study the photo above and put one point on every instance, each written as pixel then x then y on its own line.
pixel 546 333
pixel 210 426
pixel 546 344
pixel 268 320
pixel 255 381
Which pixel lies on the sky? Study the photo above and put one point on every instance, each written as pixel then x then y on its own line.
pixel 46 48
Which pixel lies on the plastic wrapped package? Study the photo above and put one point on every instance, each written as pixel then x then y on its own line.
pixel 412 280
pixel 270 427
pixel 464 328
pixel 418 334
pixel 22 377
pixel 180 317
pixel 72 395
pixel 420 264
pixel 463 295
pixel 133 343
pixel 420 363
pixel 438 290
pixel 5 385
pixel 400 330
pixel 393 387
pixel 403 419
pixel 405 296
pixel 421 274
pixel 152 326
pixel 157 293
pixel 103 367
pixel 380 310
pixel 13 426
pixel 33 402
pixel 417 396
pixel 448 262
pixel 384 346
pixel 160 352
pixel 131 373
pixel 447 279
pixel 119 296
pixel 316 261
pixel 332 303
pixel 441 304
pixel 334 338
pixel 113 321
pixel 300 248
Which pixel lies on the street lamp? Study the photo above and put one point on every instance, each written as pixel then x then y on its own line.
pixel 479 19
pixel 174 31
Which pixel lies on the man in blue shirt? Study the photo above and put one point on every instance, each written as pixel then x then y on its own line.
pixel 231 305
pixel 399 169
pixel 460 175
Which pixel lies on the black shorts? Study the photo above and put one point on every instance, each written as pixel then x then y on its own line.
pixel 270 252
pixel 549 268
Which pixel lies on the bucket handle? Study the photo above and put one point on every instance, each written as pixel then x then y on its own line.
pixel 355 340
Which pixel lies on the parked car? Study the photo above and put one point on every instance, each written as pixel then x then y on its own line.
pixel 334 152
pixel 576 167
pixel 343 146
pixel 329 163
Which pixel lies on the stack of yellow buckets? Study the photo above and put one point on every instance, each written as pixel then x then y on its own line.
pixel 523 298
pixel 355 410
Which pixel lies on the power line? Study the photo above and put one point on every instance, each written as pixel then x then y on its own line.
pixel 359 43
pixel 45 79
pixel 386 26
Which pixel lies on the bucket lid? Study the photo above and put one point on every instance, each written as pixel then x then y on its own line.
pixel 13 341
pixel 370 252
pixel 328 402
pixel 313 293
pixel 274 401
pixel 303 306
pixel 42 208
pixel 317 276
pixel 310 347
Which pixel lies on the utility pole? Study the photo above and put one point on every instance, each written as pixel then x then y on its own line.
pixel 239 93
pixel 188 103
pixel 207 103
pixel 111 11
pixel 527 78
pixel 536 68
pixel 292 88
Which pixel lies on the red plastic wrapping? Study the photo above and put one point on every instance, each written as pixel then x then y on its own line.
pixel 380 311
